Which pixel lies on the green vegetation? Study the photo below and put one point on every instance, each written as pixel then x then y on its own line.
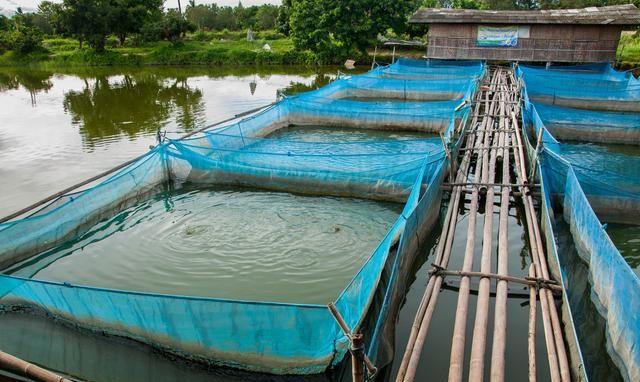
pixel 629 51
pixel 142 32
pixel 344 29
pixel 216 48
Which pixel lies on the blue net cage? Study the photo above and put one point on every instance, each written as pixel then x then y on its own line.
pixel 591 87
pixel 580 180
pixel 279 338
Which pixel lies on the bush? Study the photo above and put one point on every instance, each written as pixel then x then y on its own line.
pixel 269 35
pixel 200 36
pixel 226 34
pixel 25 39
pixel 151 32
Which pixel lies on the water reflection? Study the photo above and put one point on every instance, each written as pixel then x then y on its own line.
pixel 133 103
pixel 60 127
pixel 33 81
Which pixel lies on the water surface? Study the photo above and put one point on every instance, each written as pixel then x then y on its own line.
pixel 58 128
pixel 226 243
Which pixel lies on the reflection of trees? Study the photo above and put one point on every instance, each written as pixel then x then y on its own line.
pixel 34 81
pixel 132 104
pixel 299 87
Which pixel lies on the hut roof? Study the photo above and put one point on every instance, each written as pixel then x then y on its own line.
pixel 626 14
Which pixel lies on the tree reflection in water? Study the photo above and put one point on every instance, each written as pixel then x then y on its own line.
pixel 107 103
pixel 33 81
pixel 131 104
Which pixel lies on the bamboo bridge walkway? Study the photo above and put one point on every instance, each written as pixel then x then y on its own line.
pixel 491 174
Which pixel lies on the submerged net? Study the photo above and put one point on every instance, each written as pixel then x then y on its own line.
pixel 582 180
pixel 280 338
pixel 591 87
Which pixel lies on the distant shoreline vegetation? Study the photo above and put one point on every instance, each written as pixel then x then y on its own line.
pixel 201 48
pixel 297 32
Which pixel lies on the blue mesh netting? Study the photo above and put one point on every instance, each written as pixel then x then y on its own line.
pixel 590 126
pixel 406 68
pixel 584 179
pixel 264 336
pixel 380 170
pixel 596 87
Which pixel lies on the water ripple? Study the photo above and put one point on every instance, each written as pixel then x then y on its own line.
pixel 235 244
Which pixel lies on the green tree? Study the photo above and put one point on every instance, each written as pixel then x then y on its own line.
pixel 203 16
pixel 226 19
pixel 338 29
pixel 128 16
pixel 171 27
pixel 94 20
pixel 25 39
pixel 53 14
pixel 284 14
pixel 89 20
pixel 33 20
pixel 266 17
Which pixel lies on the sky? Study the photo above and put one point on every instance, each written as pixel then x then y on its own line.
pixel 8 7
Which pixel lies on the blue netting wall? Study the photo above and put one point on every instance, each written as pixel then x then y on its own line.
pixel 600 88
pixel 615 287
pixel 609 179
pixel 260 336
pixel 581 180
pixel 590 126
pixel 438 87
pixel 74 213
pixel 405 68
pixel 384 170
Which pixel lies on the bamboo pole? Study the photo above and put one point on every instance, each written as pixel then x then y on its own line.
pixel 552 355
pixel 531 335
pixel 500 320
pixel 427 295
pixel 9 362
pixel 414 355
pixel 462 310
pixel 541 269
pixel 478 344
pixel 358 358
pixel 518 280
pixel 409 364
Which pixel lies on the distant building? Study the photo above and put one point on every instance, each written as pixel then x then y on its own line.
pixel 567 35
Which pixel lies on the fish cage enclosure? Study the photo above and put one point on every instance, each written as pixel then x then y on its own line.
pixel 226 246
pixel 113 257
pixel 587 186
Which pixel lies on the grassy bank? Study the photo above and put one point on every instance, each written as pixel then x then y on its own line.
pixel 629 51
pixel 219 48
pixel 196 49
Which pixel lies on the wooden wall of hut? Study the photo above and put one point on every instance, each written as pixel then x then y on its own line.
pixel 546 43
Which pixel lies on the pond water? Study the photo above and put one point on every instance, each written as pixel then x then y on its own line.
pixel 58 128
pixel 226 243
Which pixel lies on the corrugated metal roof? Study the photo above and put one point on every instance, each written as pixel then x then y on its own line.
pixel 626 14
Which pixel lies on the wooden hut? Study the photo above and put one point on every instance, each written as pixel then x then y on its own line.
pixel 562 35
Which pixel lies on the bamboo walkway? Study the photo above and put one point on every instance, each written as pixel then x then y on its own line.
pixel 491 169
